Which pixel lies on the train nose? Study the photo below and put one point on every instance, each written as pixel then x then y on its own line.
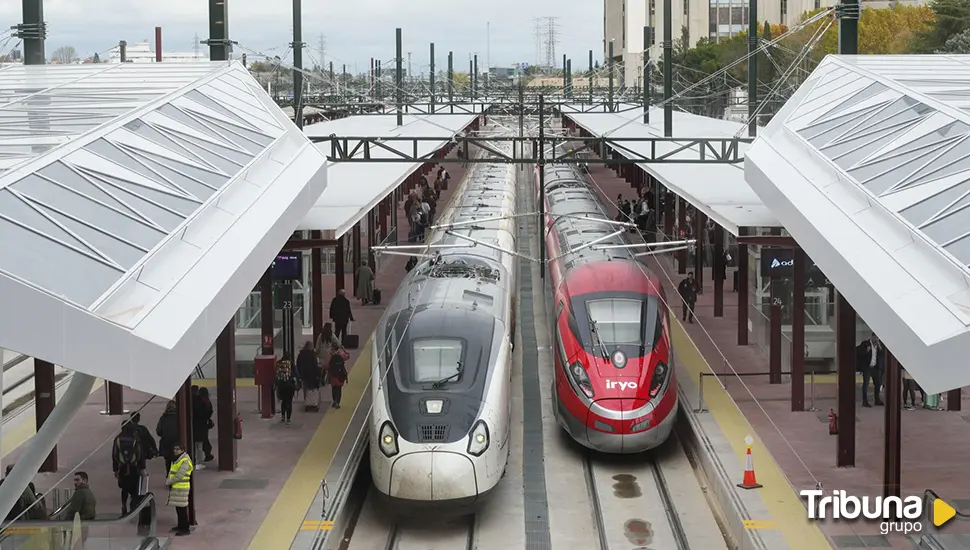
pixel 433 475
pixel 617 425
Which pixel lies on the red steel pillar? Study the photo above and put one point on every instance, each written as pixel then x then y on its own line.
pixel 798 332
pixel 742 291
pixel 845 331
pixel 894 421
pixel 44 399
pixel 226 397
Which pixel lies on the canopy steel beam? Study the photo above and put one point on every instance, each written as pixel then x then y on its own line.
pixel 468 108
pixel 405 149
pixel 779 241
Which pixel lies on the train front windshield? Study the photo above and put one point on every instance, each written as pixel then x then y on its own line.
pixel 629 322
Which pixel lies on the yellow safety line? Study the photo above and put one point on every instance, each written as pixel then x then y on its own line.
pixel 211 382
pixel 788 514
pixel 286 516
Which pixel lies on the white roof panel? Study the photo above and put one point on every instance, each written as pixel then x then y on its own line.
pixel 139 234
pixel 866 165
pixel 355 188
pixel 718 190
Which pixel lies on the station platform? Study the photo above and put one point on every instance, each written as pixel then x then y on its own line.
pixel 793 451
pixel 280 466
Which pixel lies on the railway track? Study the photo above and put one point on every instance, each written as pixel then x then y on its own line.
pixel 458 534
pixel 636 507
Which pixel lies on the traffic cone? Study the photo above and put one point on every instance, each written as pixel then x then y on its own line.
pixel 749 480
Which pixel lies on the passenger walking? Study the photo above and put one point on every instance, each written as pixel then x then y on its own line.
pixel 365 283
pixel 688 291
pixel 126 457
pixel 168 433
pixel 285 387
pixel 202 422
pixel 909 390
pixel 872 358
pixel 325 344
pixel 338 374
pixel 340 314
pixel 82 501
pixel 309 369
pixel 179 483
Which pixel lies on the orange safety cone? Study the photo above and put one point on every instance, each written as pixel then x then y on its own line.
pixel 749 479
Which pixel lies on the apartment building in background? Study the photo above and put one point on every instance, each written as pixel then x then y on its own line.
pixel 623 22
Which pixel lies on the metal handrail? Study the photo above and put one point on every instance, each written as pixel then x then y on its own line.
pixel 148 500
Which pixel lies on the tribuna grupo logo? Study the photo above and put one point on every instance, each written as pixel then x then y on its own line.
pixel 895 514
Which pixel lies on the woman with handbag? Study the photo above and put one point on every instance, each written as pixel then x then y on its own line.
pixel 338 374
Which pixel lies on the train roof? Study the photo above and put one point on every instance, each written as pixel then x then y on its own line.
pixel 570 194
pixel 604 276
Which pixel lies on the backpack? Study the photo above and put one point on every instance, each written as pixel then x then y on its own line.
pixel 128 453
pixel 423 217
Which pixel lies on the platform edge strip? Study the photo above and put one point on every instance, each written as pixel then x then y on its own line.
pixel 285 518
pixel 788 514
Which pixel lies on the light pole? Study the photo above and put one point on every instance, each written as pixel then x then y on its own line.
pixel 488 53
pixel 409 67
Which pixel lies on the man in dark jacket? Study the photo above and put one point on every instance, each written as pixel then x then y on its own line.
pixel 688 293
pixel 340 314
pixel 872 363
pixel 82 501
pixel 35 507
pixel 168 433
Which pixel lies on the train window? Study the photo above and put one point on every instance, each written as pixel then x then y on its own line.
pixel 618 321
pixel 436 359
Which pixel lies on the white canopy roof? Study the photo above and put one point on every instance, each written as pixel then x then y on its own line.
pixel 356 187
pixel 717 190
pixel 867 166
pixel 130 232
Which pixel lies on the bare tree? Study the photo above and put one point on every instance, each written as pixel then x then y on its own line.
pixel 64 55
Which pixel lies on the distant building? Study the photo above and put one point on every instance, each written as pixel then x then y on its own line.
pixel 624 20
pixel 143 52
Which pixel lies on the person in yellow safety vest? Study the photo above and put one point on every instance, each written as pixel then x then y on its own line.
pixel 179 482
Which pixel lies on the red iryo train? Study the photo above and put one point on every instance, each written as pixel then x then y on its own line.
pixel 615 389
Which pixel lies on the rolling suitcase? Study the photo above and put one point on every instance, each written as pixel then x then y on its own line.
pixel 312 402
pixel 351 341
pixel 377 296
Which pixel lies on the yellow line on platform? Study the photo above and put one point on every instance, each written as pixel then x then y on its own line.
pixel 286 518
pixel 211 382
pixel 788 514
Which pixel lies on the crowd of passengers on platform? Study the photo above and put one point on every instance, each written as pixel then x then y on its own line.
pixel 421 205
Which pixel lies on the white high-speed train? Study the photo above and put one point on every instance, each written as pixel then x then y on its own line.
pixel 442 357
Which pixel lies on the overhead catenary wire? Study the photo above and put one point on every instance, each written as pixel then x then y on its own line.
pixel 761 47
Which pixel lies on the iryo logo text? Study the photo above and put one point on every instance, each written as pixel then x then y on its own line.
pixel 612 384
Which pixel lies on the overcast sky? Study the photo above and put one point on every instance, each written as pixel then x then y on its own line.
pixel 355 30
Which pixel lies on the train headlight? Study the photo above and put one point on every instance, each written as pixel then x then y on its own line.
pixel 661 373
pixel 388 439
pixel 478 439
pixel 581 379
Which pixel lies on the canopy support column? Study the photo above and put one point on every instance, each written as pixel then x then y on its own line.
pixel 699 228
pixel 44 404
pixel 953 400
pixel 682 230
pixel 316 288
pixel 798 332
pixel 774 339
pixel 42 444
pixel 184 400
pixel 373 237
pixel 742 291
pixel 226 397
pixel 719 268
pixel 668 216
pixel 338 265
pixel 845 365
pixel 894 420
pixel 356 254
